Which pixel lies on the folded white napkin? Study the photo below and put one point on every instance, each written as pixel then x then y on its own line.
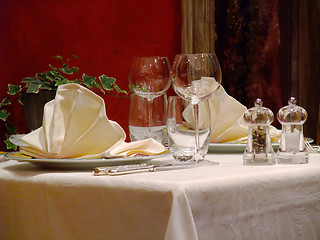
pixel 227 124
pixel 75 125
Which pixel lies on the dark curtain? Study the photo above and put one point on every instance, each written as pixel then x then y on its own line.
pixel 247 45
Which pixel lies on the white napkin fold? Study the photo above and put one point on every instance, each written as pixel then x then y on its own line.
pixel 227 124
pixel 75 125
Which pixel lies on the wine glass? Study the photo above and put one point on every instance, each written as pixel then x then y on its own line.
pixel 195 78
pixel 150 77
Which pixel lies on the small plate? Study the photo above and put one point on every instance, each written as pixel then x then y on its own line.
pixel 81 163
pixel 237 147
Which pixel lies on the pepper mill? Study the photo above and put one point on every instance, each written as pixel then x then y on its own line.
pixel 259 150
pixel 292 149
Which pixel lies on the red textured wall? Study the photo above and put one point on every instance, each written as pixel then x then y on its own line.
pixel 105 34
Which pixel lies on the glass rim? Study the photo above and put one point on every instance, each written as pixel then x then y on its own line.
pixel 151 57
pixel 196 54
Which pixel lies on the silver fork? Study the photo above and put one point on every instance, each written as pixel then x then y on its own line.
pixel 310 148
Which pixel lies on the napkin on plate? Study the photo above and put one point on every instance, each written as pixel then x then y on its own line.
pixel 227 123
pixel 75 125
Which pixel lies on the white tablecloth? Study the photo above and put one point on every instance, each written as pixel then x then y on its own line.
pixel 228 201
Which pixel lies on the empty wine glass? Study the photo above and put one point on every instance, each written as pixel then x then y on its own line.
pixel 150 77
pixel 195 78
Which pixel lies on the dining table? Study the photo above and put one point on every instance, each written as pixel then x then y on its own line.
pixel 203 202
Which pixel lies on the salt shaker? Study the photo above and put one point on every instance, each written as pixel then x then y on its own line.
pixel 292 149
pixel 259 150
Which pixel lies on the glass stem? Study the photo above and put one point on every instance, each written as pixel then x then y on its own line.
pixel 197 155
pixel 150 100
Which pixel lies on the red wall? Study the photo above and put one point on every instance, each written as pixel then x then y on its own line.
pixel 105 34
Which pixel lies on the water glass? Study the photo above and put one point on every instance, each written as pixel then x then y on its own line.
pixel 180 127
pixel 139 118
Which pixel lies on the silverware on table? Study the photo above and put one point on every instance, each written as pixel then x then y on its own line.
pixel 310 148
pixel 138 168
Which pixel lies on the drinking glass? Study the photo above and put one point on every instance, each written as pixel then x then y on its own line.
pixel 150 77
pixel 138 118
pixel 180 128
pixel 195 78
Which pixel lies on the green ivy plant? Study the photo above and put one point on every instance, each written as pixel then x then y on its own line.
pixel 51 80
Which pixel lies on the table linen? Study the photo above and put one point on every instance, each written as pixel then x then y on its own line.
pixel 228 201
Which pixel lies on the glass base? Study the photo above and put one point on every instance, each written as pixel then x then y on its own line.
pixel 259 159
pixel 292 158
pixel 202 162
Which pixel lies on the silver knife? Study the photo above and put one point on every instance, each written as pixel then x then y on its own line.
pixel 138 168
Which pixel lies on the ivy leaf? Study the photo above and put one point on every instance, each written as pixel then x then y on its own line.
pixel 67 70
pixel 10 145
pixel 46 86
pixel 19 99
pixel 88 80
pixel 132 87
pixel 58 57
pixel 53 68
pixel 33 88
pixel 107 82
pixel 11 129
pixel 74 69
pixel 97 85
pixel 143 88
pixel 28 79
pixel 13 89
pixel 5 102
pixel 59 82
pixel 4 114
pixel 119 90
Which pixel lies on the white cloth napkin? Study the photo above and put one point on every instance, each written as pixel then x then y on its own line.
pixel 75 125
pixel 227 124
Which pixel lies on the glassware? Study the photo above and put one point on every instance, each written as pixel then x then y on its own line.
pixel 195 78
pixel 292 149
pixel 138 118
pixel 180 127
pixel 150 77
pixel 259 150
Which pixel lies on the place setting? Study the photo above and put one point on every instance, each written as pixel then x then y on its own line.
pixel 200 119
pixel 76 133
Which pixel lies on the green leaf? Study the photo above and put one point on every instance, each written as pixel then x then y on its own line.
pixel 144 88
pixel 47 86
pixel 59 82
pixel 116 87
pixel 58 57
pixel 67 70
pixel 10 145
pixel 53 68
pixel 131 87
pixel 19 99
pixel 5 102
pixel 75 56
pixel 4 114
pixel 33 88
pixel 11 129
pixel 88 80
pixel 97 85
pixel 28 79
pixel 107 82
pixel 13 89
pixel 56 74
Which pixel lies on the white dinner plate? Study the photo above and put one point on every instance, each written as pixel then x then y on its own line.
pixel 237 147
pixel 82 163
